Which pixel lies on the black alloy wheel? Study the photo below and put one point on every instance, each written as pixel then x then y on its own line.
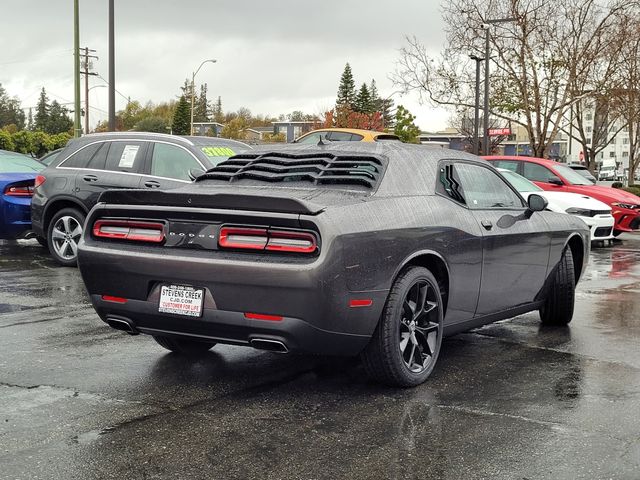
pixel 405 346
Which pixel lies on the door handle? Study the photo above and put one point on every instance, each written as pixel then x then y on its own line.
pixel 152 184
pixel 90 178
pixel 487 224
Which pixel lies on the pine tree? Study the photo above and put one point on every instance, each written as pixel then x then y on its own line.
pixel 346 90
pixel 363 103
pixel 202 107
pixel 375 98
pixel 58 120
pixel 41 118
pixel 30 120
pixel 405 128
pixel 218 113
pixel 181 124
pixel 386 110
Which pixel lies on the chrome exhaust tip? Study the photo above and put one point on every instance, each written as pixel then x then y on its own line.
pixel 123 325
pixel 270 345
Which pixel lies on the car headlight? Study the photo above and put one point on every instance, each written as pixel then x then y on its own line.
pixel 578 211
pixel 625 205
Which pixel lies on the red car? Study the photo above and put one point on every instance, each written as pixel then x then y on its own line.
pixel 554 176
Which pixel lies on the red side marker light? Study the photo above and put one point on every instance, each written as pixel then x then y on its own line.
pixel 260 316
pixel 357 303
pixel 110 298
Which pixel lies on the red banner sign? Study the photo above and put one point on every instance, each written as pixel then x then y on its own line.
pixel 496 132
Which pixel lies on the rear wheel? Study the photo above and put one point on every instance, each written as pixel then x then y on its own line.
pixel 558 306
pixel 405 345
pixel 63 235
pixel 182 346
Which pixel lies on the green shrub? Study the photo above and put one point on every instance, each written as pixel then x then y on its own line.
pixel 635 189
pixel 6 142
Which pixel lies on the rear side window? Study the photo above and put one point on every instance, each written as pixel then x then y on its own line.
pixel 507 165
pixel 537 173
pixel 313 138
pixel 344 137
pixel 82 157
pixel 171 161
pixel 125 156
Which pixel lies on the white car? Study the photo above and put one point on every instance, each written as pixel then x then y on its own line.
pixel 594 213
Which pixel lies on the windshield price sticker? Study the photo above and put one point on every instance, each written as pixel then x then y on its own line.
pixel 181 300
pixel 218 152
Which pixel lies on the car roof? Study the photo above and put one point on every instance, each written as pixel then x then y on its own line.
pixel 150 136
pixel 522 158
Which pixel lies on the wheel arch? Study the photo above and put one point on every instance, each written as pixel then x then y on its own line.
pixel 576 244
pixel 436 264
pixel 57 205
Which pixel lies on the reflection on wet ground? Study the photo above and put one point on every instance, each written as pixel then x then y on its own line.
pixel 512 400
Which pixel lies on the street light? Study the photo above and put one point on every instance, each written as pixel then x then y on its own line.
pixel 193 81
pixel 476 116
pixel 486 26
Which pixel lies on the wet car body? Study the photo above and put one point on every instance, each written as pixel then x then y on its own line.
pixel 17 177
pixel 86 167
pixel 491 264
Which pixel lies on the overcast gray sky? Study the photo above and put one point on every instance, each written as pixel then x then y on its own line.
pixel 273 57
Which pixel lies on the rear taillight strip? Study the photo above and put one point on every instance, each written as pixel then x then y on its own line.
pixel 19 191
pixel 132 230
pixel 248 238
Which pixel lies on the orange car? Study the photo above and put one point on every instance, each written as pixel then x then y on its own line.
pixel 345 135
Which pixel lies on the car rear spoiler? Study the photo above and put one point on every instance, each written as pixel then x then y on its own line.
pixel 230 201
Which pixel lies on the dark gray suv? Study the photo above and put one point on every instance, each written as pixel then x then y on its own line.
pixel 70 186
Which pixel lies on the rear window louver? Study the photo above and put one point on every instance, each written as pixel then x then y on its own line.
pixel 317 168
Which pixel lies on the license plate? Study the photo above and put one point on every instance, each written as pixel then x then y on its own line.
pixel 181 300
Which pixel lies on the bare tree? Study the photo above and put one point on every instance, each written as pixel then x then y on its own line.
pixel 628 76
pixel 535 59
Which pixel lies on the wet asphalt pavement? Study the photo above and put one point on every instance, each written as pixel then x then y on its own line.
pixel 513 400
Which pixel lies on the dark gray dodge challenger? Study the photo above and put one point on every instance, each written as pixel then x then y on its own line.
pixel 374 249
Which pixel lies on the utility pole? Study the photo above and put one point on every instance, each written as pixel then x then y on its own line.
pixel 112 71
pixel 86 65
pixel 476 116
pixel 487 28
pixel 77 128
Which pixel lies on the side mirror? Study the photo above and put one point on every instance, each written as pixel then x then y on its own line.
pixel 555 181
pixel 195 173
pixel 536 203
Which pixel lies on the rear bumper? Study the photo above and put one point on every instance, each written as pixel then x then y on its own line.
pixel 231 328
pixel 311 297
pixel 15 217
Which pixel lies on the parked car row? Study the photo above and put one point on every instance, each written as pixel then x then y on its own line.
pixel 556 177
pixel 377 249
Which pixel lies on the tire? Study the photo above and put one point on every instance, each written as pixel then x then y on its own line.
pixel 404 321
pixel 183 347
pixel 558 306
pixel 42 241
pixel 63 235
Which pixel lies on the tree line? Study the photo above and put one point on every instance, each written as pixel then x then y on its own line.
pixel 35 134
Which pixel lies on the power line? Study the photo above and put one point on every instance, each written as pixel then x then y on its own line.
pixel 121 94
pixel 39 57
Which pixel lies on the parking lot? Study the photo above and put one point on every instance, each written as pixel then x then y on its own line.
pixel 510 401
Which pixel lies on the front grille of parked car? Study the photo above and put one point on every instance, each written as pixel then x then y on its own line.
pixel 316 168
pixel 599 212
pixel 602 232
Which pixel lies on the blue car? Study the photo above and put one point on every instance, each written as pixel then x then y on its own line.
pixel 18 175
